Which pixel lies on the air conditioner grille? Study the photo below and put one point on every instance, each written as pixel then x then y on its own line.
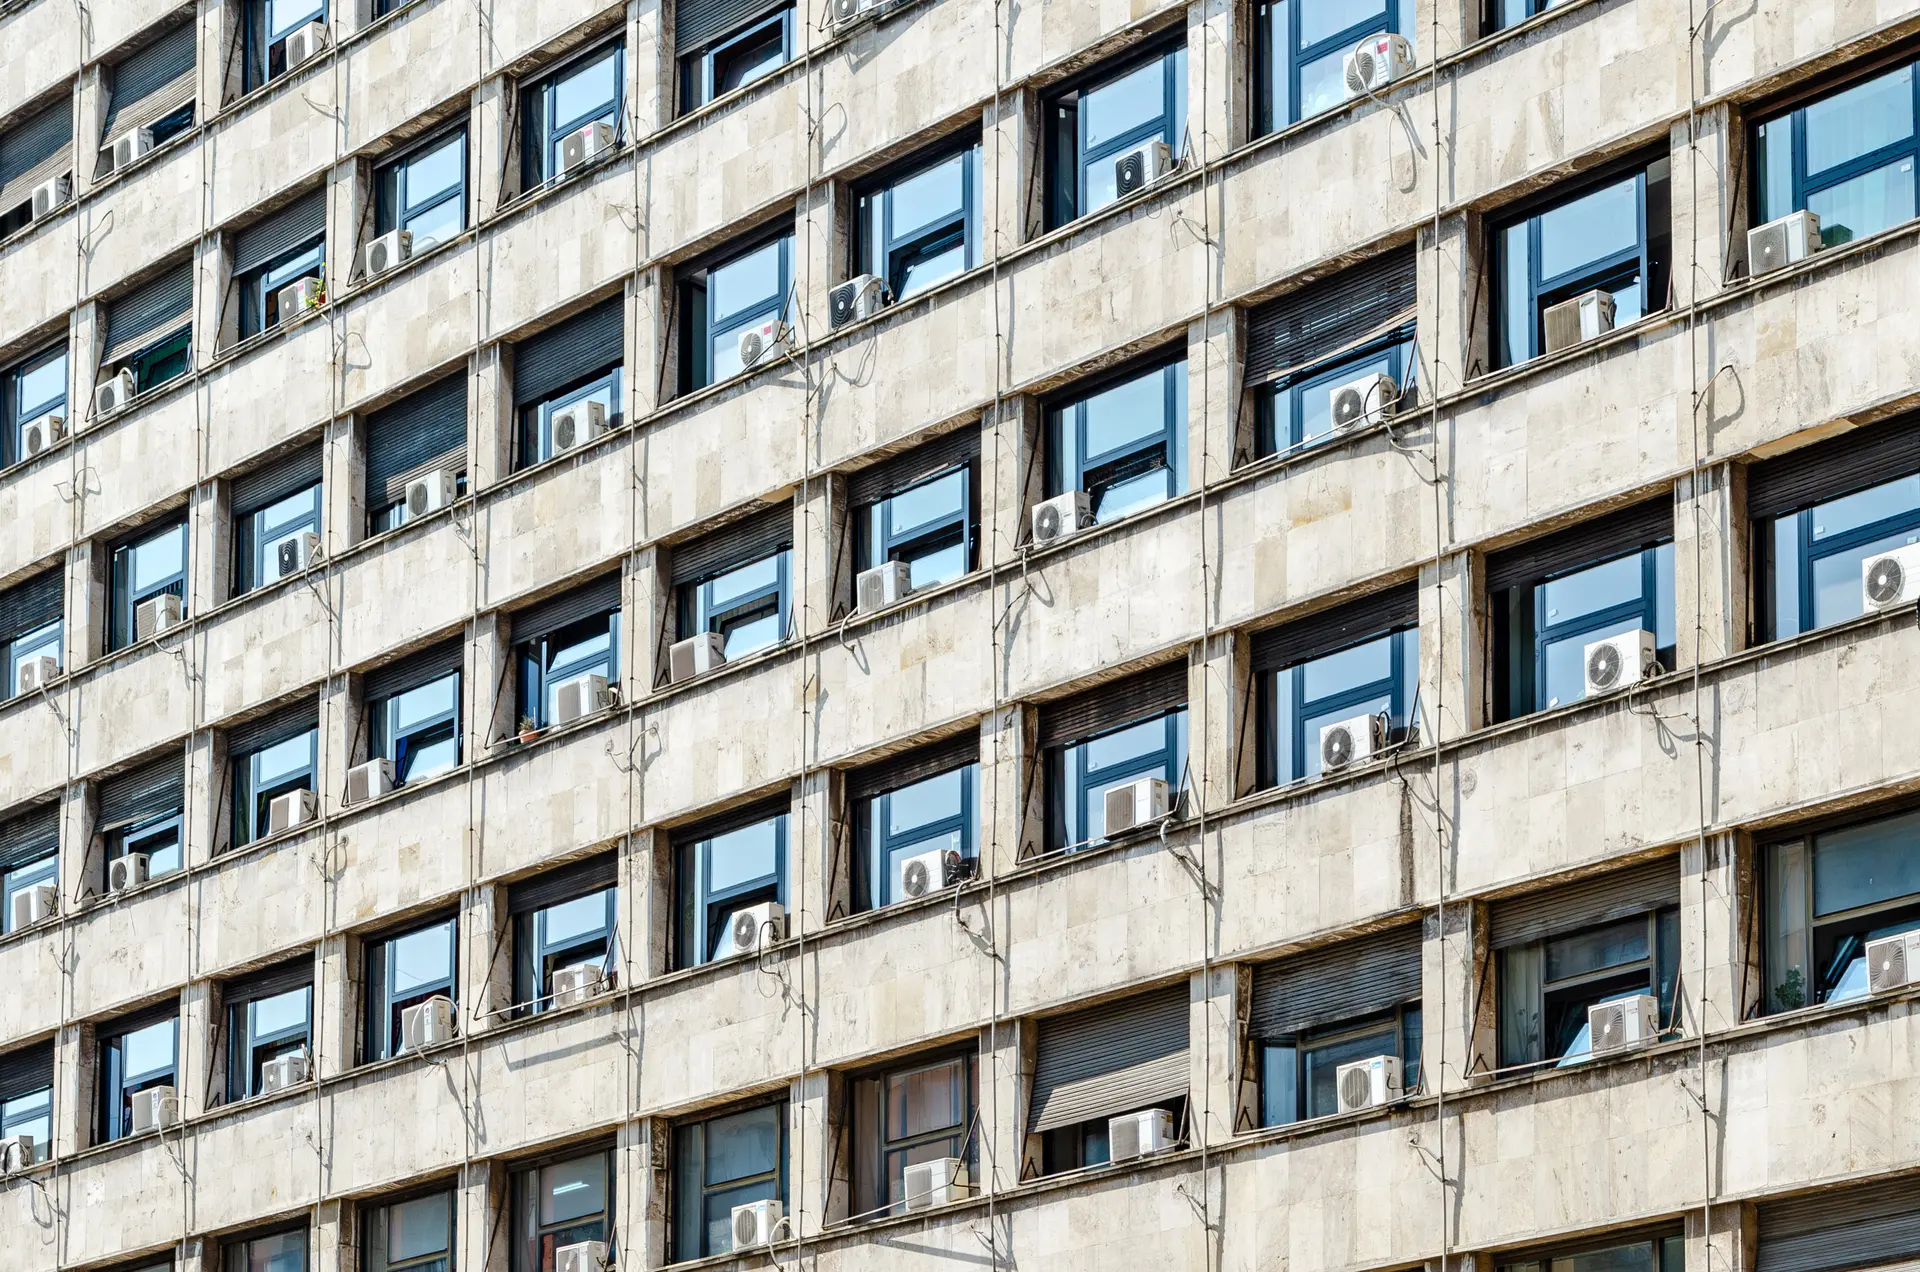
pixel 1360 71
pixel 1356 1087
pixel 916 880
pixel 1610 1026
pixel 1348 407
pixel 1886 580
pixel 1337 747
pixel 1603 665
pixel 1889 968
pixel 1048 522
pixel 746 1227
pixel 746 930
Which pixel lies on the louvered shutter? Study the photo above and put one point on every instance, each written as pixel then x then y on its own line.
pixel 148 791
pixel 1329 630
pixel 422 432
pixel 1118 702
pixel 750 539
pixel 697 23
pixel 1330 315
pixel 915 766
pixel 1110 1059
pixel 1618 895
pixel 30 836
pixel 160 306
pixel 29 606
pixel 27 1070
pixel 903 472
pixel 578 348
pixel 602 596
pixel 152 82
pixel 413 671
pixel 1868 1225
pixel 35 150
pixel 1587 543
pixel 595 874
pixel 296 973
pixel 297 224
pixel 738 819
pixel 270 483
pixel 1839 466
pixel 276 726
pixel 1348 981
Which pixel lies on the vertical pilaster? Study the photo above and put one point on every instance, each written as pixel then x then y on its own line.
pixel 1012 476
pixel 216 324
pixel 1219 719
pixel 651 348
pixel 816 852
pixel 87 332
pixel 1720 973
pixel 646 904
pixel 74 1049
pixel 486 959
pixel 1218 439
pixel 640 1208
pixel 490 690
pixel 209 545
pixel 818 1171
pixel 1012 825
pixel 200 1073
pixel 343 516
pixel 1451 324
pixel 1217 77
pixel 79 863
pixel 1224 1094
pixel 1457 1042
pixel 490 440
pixel 651 77
pixel 480 1199
pixel 645 606
pixel 1708 198
pixel 823 557
pixel 341 743
pixel 208 797
pixel 1006 1080
pixel 1727 1240
pixel 1452 654
pixel 90 98
pixel 821 219
pixel 1010 166
pixel 1712 564
pixel 349 222
pixel 493 179
pixel 336 1001
pixel 86 608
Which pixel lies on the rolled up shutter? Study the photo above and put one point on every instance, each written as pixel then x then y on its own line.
pixel 903 472
pixel 296 973
pixel 1865 1226
pixel 30 836
pixel 29 606
pixel 27 1070
pixel 1348 981
pixel 697 22
pixel 270 483
pixel 151 83
pixel 160 306
pixel 1330 315
pixel 602 596
pixel 299 223
pixel 738 819
pixel 275 726
pixel 595 874
pixel 583 346
pixel 413 671
pixel 1587 543
pixel 419 433
pixel 1113 704
pixel 1110 1059
pixel 915 766
pixel 35 150
pixel 1329 630
pixel 745 541
pixel 1841 465
pixel 148 791
pixel 1618 895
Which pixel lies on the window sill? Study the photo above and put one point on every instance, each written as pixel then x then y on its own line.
pixel 400 790
pixel 45 926
pixel 176 142
pixel 28 231
pixel 758 657
pixel 624 148
pixel 548 732
pixel 367 285
pixel 286 327
pixel 91 900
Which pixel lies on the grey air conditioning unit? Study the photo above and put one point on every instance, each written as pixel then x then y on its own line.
pixel 1141 1134
pixel 1618 661
pixel 753 928
pixel 385 252
pixel 42 434
pixel 581 1256
pixel 293 555
pixel 1367 1084
pixel 581 422
pixel 156 614
pixel 299 296
pixel 882 586
pixel 49 195
pixel 38 672
pixel 127 872
pixel 1783 242
pixel 16 1154
pixel 1140 803
pixel 585 144
pixel 861 296
pixel 295 808
pixel 34 905
pixel 577 699
pixel 1350 741
pixel 1140 167
pixel 1587 316
pixel 369 781
pixel 929 872
pixel 756 1223
pixel 695 656
pixel 1362 402
pixel 939 1182
pixel 111 395
pixel 427 1024
pixel 155 1109
pixel 1621 1023
pixel 577 983
pixel 1377 62
pixel 1061 517
pixel 282 1072
pixel 304 43
pixel 430 493
pixel 1889 580
pixel 767 341
pixel 128 149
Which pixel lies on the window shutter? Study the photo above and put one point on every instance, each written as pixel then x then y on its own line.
pixel 1347 981
pixel 1877 1223
pixel 293 974
pixel 270 483
pixel 1619 895
pixel 915 766
pixel 577 348
pixel 165 1010
pixel 1587 543
pixel 750 539
pixel 151 82
pixel 151 789
pixel 31 605
pixel 35 150
pixel 1113 704
pixel 1853 461
pixel 160 305
pixel 1307 638
pixel 903 472
pixel 27 1070
pixel 413 671
pixel 739 819
pixel 1332 314
pixel 29 837
pixel 276 726
pixel 602 596
pixel 301 221
pixel 595 874
pixel 697 22
pixel 1110 1059
pixel 417 434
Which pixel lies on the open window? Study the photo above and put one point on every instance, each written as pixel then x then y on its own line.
pixel 151 97
pixel 417 454
pixel 919 222
pixel 724 45
pixel 273 38
pixel 149 572
pixel 572 371
pixel 719 1162
pixel 1123 441
pixel 140 814
pixel 273 256
pixel 563 921
pixel 33 405
pixel 26 1097
pixel 1102 1063
pixel 737 583
pixel 1123 732
pixel 730 880
pixel 1341 667
pixel 1829 892
pixel 1850 156
pixel 1300 49
pixel 413 712
pixel 1095 120
pixel 919 1112
pixel 32 634
pixel 743 290
pixel 269 1017
pixel 149 335
pixel 29 868
pixel 33 152
pixel 585 92
pixel 405 970
pixel 276 520
pixel 273 756
pixel 137 1053
pixel 567 640
pixel 922 806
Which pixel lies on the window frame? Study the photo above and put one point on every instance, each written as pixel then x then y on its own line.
pixel 874 529
pixel 698 905
pixel 535 433
pixel 376 1220
pixel 1401 685
pixel 254 535
pixel 160 362
pixel 126 598
pixel 1807 554
pixel 16 414
pixel 260 43
pixel 682 1171
pixel 697 66
pixel 260 286
pixel 876 848
pixel 868 1097
pixel 1821 978
pixel 542 135
pixel 539 680
pixel 249 1052
pixel 39 871
pixel 1288 394
pixel 234 1254
pixel 250 806
pixel 1508 660
pixel 535 959
pixel 878 250
pixel 401 747
pixel 393 207
pixel 699 612
pixel 29 1111
pixel 701 328
pixel 140 834
pixel 1064 152
pixel 526 1230
pixel 1267 119
pixel 1118 466
pixel 1069 780
pixel 384 1004
pixel 117 1087
pixel 1404 1022
pixel 1577 993
pixel 48 639
pixel 1803 185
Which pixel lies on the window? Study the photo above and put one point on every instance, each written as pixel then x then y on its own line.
pixel 272 758
pixel 562 919
pixel 268 24
pixel 267 1017
pixel 1300 49
pixel 1297 1077
pixel 260 287
pixel 1296 411
pixel 422 433
pixel 1501 14
pixel 1849 158
pixel 164 360
pixel 722 871
pixel 748 605
pixel 424 192
pixel 736 59
pixel 1662 1254
pixel 569 638
pixel 404 971
pixel 29 858
pixel 906 1117
pixel 922 226
pixel 1124 444
pixel 34 150
pixel 141 811
pixel 134 1057
pixel 559 1204
pixel 26 1097
pixel 150 330
pixel 274 510
pixel 1828 894
pixel 281 1252
pixel 1378 675
pixel 587 90
pixel 152 88
pixel 721 302
pixel 1090 126
pixel 31 627
pixel 574 361
pixel 418 728
pixel 1613 236
pixel 931 526
pixel 1104 1062
pixel 1109 736
pixel 415 1235
pixel 30 391
pixel 150 564
pixel 720 1163
pixel 925 801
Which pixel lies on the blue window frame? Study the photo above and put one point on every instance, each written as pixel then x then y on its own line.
pixel 931 526
pixel 280 1252
pixel 40 872
pixel 1851 157
pixel 411 1235
pixel 724 872
pixel 260 288
pixel 736 59
pixel 934 813
pixel 922 226
pixel 405 970
pixel 719 1163
pixel 424 192
pixel 1297 1075
pixel 1295 411
pixel 147 566
pixel 1125 444
pixel 258 536
pixel 560 935
pixel 268 23
pixel 262 1029
pixel 1300 49
pixel 586 90
pixel 748 605
pixel 418 729
pixel 590 647
pixel 1501 14
pixel 29 390
pixel 560 1203
pixel 273 770
pixel 1379 674
pixel 536 421
pixel 43 641
pixel 133 1060
pixel 1614 235
pixel 1813 556
pixel 1541 630
pixel 157 835
pixel 1828 893
pixel 1092 124
pixel 28 1110
pixel 1080 774
pixel 1546 985
pixel 722 301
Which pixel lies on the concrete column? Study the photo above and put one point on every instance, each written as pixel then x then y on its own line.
pixel 1720 973
pixel 822 565
pixel 1216 354
pixel 1459 26
pixel 216 324
pixel 490 426
pixel 818 1171
pixel 333 1034
pixel 491 693
pixel 486 959
pixel 820 254
pixel 79 863
pixel 87 333
pixel 349 222
pixel 1220 724
pixel 651 76
pixel 219 74
pixel 1223 1090
pixel 200 1074
pixel 1712 564
pixel 209 545
pixel 1012 824
pixel 1726 1242
pixel 1457 1044
pixel 209 817
pixel 642 1170
pixel 90 98
pixel 480 1200
pixel 1218 111
pixel 1006 1081
pixel 87 621
pixel 341 740
pixel 646 905
pixel 647 604
pixel 1709 204
pixel 333 1244
pixel 1452 648
pixel 343 494
pixel 1013 476
pixel 74 1050
pixel 650 344
pixel 1010 163
pixel 1453 313
pixel 817 852
pixel 491 136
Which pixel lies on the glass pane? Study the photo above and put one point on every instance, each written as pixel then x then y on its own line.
pixel 936 799
pixel 437 224
pixel 1593 589
pixel 582 916
pixel 148 1050
pixel 283 759
pixel 284 1253
pixel 296 509
pixel 1311 726
pixel 1851 512
pixel 418 1228
pixel 938 567
pixel 432 701
pixel 1836 578
pixel 1126 744
pixel 284 15
pixel 592 649
pixel 280 1013
pixel 1323 1063
pixel 744 581
pixel 1275 53
pixel 749 60
pixel 1566 678
pixel 588 89
pixel 1323 83
pixel 1121 105
pixel 44 383
pixel 159 559
pixel 1322 18
pixel 1592 226
pixel 571 1190
pixel 740 856
pixel 435 172
pixel 923 272
pixel 1516 298
pixel 1279 1101
pixel 1128 412
pixel 1787 952
pixel 1865 205
pixel 1520 990
pixel 744 1144
pixel 930 1099
pixel 1860 120
pixel 752 280
pixel 1786 576
pixel 1124 498
pixel 1865 865
pixel 929 196
pixel 719 1211
pixel 1588 952
pixel 1280 685
pixel 752 636
pixel 1637 1257
pixel 1773 160
pixel 1316 399
pixel 1348 669
pixel 420 958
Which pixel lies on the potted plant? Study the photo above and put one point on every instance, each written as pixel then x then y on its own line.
pixel 528 730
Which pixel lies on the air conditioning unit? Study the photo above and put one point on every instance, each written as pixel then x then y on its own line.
pixel 296 554
pixel 155 1108
pixel 1367 1084
pixel 39 672
pixel 695 656
pixel 1782 242
pixel 861 296
pixel 581 1256
pixel 1349 741
pixel 156 614
pixel 1623 1022
pixel 49 195
pixel 381 255
pixel 1061 517
pixel 1585 317
pixel 42 434
pixel 111 396
pixel 1140 803
pixel 1618 661
pixel 584 144
pixel 302 44
pixel 577 982
pixel 929 872
pixel 369 781
pixel 301 295
pixel 127 872
pixel 581 422
pixel 427 1024
pixel 131 147
pixel 1893 962
pixel 1376 63
pixel 768 340
pixel 755 1223
pixel 1139 1134
pixel 1889 580
pixel 754 928
pixel 295 808
pixel 1362 402
pixel 16 1154
pixel 581 698
pixel 1140 167
pixel 34 905
pixel 882 586
pixel 430 493
pixel 848 14
pixel 936 1183
pixel 283 1072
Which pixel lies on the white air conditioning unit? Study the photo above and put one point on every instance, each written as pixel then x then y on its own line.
pixel 427 1024
pixel 936 1183
pixel 577 982
pixel 695 656
pixel 929 872
pixel 49 195
pixel 1376 63
pixel 1889 580
pixel 1623 1022
pixel 430 493
pixel 1367 1084
pixel 156 614
pixel 1139 1134
pixel 131 147
pixel 42 434
pixel 1061 517
pixel 581 422
pixel 756 1223
pixel 282 1072
pixel 1140 803
pixel 581 1256
pixel 296 554
pixel 127 872
pixel 861 296
pixel 155 1108
pixel 1618 661
pixel 385 252
pixel 753 929
pixel 34 905
pixel 16 1154
pixel 848 14
pixel 1587 316
pixel 369 781
pixel 1349 741
pixel 299 296
pixel 295 808
pixel 1893 962
pixel 584 144
pixel 304 43
pixel 1780 243
pixel 882 586
pixel 111 395
pixel 578 699
pixel 768 340
pixel 1140 167
pixel 1362 402
pixel 39 672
